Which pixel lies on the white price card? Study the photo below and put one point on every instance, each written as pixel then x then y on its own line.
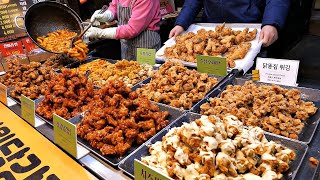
pixel 278 71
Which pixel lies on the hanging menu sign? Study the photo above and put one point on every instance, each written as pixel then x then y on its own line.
pixel 9 9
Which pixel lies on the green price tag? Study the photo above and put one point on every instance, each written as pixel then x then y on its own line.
pixel 3 94
pixel 65 135
pixel 212 65
pixel 144 172
pixel 146 56
pixel 28 110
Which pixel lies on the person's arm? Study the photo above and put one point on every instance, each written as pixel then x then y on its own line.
pixel 274 18
pixel 189 11
pixel 275 13
pixel 142 15
pixel 113 8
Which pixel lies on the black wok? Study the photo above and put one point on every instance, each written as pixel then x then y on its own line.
pixel 48 16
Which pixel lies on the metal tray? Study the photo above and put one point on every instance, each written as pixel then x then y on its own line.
pixel 307 94
pixel 220 79
pixel 77 64
pixel 127 165
pixel 113 160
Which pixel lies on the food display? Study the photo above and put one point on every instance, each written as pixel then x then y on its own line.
pixel 214 148
pixel 273 108
pixel 117 118
pixel 34 81
pixel 233 44
pixel 177 86
pixel 131 72
pixel 14 73
pixel 67 95
pixel 60 42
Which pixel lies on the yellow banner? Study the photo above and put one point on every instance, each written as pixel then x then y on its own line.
pixel 26 154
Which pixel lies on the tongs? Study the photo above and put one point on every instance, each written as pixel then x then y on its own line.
pixel 76 38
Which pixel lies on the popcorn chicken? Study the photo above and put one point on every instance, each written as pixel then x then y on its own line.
pixel 177 86
pixel 277 110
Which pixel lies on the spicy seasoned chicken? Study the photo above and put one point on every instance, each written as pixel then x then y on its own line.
pixel 214 148
pixel 117 118
pixel 222 42
pixel 67 95
pixel 273 108
pixel 177 86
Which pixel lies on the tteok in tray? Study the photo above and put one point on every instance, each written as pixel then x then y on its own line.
pixel 239 43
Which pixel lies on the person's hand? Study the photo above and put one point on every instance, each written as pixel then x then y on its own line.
pixel 176 31
pixel 107 16
pixel 268 35
pixel 98 33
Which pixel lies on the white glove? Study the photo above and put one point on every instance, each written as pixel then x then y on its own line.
pixel 107 16
pixel 93 32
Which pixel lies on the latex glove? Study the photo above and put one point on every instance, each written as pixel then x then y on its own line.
pixel 268 35
pixel 176 31
pixel 96 18
pixel 93 33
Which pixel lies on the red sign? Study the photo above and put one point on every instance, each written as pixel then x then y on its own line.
pixel 11 48
pixel 29 45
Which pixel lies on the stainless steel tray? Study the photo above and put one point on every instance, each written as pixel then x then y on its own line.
pixel 139 85
pixel 113 160
pixel 307 94
pixel 77 64
pixel 127 165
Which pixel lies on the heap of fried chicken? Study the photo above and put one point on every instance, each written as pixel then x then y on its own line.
pixel 218 149
pixel 273 108
pixel 118 118
pixel 34 81
pixel 67 95
pixel 222 42
pixel 14 73
pixel 177 85
pixel 131 72
pixel 27 79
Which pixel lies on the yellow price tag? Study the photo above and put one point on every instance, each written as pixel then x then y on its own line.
pixel 65 135
pixel 255 75
pixel 28 110
pixel 144 172
pixel 3 94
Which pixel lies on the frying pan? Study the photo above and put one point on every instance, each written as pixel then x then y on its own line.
pixel 48 16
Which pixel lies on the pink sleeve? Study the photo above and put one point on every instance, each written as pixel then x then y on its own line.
pixel 113 8
pixel 141 17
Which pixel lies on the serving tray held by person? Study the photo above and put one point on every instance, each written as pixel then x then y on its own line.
pixel 138 25
pixel 271 13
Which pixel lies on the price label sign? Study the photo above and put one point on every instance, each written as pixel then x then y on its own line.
pixel 146 56
pixel 28 110
pixel 144 172
pixel 212 65
pixel 65 135
pixel 3 94
pixel 278 71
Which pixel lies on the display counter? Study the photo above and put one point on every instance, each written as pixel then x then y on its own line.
pixel 66 164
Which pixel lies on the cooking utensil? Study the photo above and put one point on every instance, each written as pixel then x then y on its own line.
pixel 103 9
pixel 45 17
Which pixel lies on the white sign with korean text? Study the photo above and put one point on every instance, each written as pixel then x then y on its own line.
pixel 278 71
